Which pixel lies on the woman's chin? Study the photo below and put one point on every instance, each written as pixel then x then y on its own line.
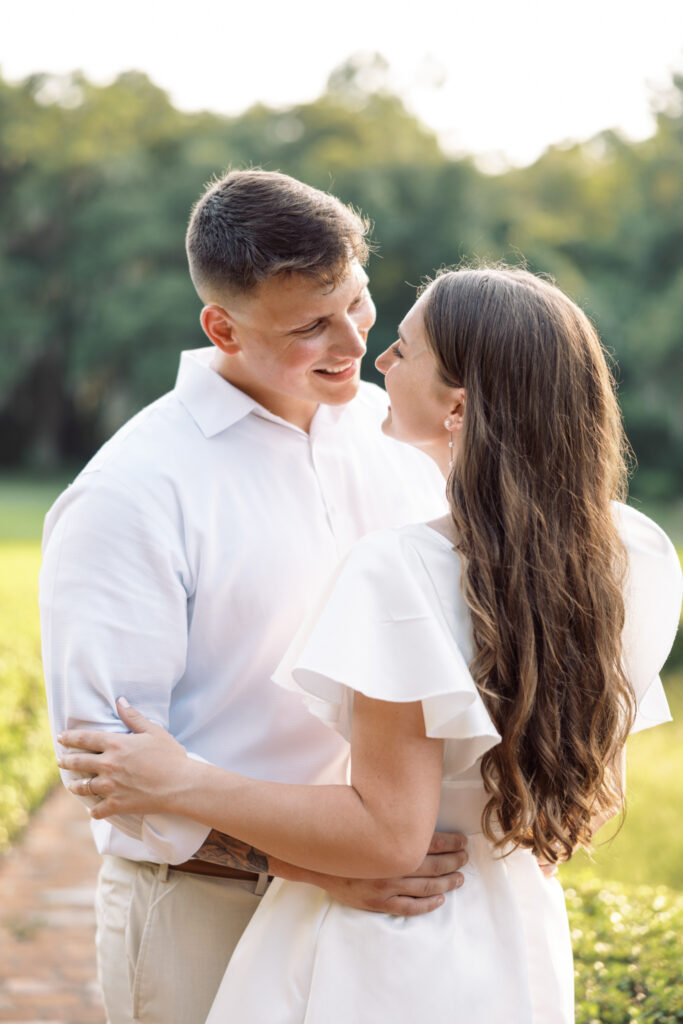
pixel 387 426
pixel 392 429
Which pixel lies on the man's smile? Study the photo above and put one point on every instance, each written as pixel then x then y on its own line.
pixel 340 373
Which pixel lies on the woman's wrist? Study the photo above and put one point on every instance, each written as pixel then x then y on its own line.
pixel 187 785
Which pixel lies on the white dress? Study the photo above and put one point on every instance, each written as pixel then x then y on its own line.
pixel 395 627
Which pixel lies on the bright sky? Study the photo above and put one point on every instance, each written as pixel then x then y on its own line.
pixel 491 76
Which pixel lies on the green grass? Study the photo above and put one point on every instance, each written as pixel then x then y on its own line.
pixel 648 850
pixel 23 504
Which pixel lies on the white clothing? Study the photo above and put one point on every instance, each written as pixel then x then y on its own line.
pixel 498 950
pixel 179 564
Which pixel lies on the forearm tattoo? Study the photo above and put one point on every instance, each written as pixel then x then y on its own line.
pixel 232 853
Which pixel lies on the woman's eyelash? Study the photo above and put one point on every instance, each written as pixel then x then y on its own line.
pixel 396 350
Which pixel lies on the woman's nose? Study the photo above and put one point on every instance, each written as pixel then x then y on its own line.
pixel 382 361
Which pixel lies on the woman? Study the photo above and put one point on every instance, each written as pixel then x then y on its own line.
pixel 487 669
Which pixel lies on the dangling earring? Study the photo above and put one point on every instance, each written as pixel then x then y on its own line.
pixel 448 424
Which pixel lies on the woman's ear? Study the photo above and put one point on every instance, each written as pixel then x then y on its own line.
pixel 456 413
pixel 219 328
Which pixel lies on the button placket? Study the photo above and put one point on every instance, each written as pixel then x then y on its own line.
pixel 324 470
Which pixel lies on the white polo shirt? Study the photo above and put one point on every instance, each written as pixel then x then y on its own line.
pixel 179 564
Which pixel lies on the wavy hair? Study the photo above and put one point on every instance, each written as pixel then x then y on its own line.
pixel 543 454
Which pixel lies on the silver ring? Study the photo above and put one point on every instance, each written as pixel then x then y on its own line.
pixel 89 787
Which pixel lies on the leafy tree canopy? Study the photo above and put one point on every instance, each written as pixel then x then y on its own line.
pixel 96 183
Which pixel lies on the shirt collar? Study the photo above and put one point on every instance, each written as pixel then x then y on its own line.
pixel 215 404
pixel 212 402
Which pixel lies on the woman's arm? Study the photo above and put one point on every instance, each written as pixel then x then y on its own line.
pixel 420 892
pixel 381 825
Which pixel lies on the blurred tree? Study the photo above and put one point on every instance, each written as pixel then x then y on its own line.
pixel 92 225
pixel 606 219
pixel 95 188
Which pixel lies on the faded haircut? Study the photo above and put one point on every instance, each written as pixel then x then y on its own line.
pixel 251 225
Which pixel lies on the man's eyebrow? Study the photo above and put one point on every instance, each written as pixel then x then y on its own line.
pixel 306 324
pixel 319 319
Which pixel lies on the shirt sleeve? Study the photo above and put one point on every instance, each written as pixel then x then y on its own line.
pixel 113 603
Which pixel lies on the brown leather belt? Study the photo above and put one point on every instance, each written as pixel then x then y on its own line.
pixel 205 867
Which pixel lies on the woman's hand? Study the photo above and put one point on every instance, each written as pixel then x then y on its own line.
pixel 140 772
pixel 548 869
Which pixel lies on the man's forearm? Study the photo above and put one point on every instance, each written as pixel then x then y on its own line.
pixel 232 853
pixel 402 897
pixel 219 848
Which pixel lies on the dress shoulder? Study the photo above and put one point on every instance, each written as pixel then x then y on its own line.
pixel 381 631
pixel 652 598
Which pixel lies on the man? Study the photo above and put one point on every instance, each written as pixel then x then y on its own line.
pixel 179 564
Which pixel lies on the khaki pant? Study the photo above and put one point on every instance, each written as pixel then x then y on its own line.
pixel 164 938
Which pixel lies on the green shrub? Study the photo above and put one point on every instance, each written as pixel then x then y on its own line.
pixel 23 504
pixel 627 953
pixel 27 761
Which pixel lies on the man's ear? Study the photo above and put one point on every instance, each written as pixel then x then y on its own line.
pixel 219 328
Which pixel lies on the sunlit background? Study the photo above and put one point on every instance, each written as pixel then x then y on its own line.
pixel 537 131
pixel 497 79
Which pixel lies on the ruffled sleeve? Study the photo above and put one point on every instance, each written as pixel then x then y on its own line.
pixel 381 631
pixel 653 603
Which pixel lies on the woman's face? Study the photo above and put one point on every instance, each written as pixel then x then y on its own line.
pixel 420 401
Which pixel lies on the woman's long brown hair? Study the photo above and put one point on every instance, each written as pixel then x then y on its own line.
pixel 542 457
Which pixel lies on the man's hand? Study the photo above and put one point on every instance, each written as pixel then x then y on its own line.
pixel 404 897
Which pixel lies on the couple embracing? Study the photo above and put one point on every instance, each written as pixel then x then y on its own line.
pixel 378 662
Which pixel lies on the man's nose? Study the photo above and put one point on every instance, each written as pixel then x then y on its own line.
pixel 353 339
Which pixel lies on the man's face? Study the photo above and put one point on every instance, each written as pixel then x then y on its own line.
pixel 295 343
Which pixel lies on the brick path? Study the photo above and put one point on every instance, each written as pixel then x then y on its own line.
pixel 47 921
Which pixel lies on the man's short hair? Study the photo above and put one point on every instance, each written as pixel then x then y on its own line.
pixel 250 225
